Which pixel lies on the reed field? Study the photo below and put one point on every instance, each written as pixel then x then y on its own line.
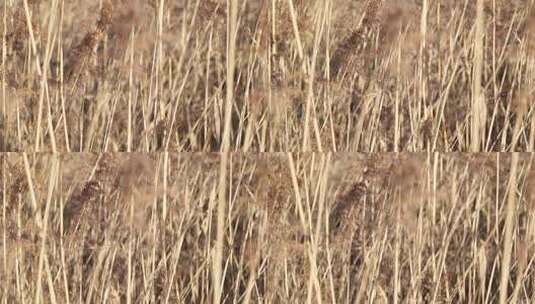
pixel 267 151
pixel 298 228
pixel 272 76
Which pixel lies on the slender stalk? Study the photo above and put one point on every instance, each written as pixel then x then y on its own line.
pixel 232 20
pixel 479 109
pixel 509 229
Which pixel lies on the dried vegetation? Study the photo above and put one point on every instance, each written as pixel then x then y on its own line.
pixel 344 228
pixel 366 76
pixel 161 80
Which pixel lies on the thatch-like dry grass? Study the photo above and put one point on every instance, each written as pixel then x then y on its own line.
pixel 132 140
pixel 333 75
pixel 298 228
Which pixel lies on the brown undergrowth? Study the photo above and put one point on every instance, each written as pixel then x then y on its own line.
pixel 386 76
pixel 406 226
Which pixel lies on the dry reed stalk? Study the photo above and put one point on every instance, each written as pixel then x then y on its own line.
pixel 521 256
pixel 6 269
pixel 218 278
pixel 482 262
pixel 510 217
pixel 295 27
pixel 314 286
pixel 232 32
pixel 310 113
pixel 479 107
pixel 530 190
pixel 53 178
pixel 31 188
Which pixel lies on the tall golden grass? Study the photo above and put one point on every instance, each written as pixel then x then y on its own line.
pixel 294 107
pixel 307 228
pixel 368 76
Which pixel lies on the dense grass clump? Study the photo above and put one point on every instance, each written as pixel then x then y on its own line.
pixel 337 75
pixel 267 151
pixel 297 228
